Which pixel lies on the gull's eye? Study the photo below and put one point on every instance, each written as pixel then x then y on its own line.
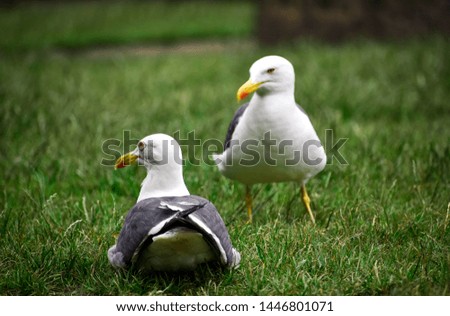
pixel 141 146
pixel 270 70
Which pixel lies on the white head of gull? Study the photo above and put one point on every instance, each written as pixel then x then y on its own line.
pixel 161 155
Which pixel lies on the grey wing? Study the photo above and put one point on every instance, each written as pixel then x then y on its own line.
pixel 234 122
pixel 210 223
pixel 155 216
pixel 144 216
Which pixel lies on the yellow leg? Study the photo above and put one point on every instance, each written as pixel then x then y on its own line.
pixel 249 203
pixel 307 201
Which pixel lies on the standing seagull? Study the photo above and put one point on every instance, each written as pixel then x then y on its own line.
pixel 271 138
pixel 168 229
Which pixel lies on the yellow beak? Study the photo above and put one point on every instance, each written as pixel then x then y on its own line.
pixel 247 88
pixel 126 160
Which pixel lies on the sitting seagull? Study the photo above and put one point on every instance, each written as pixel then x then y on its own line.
pixel 168 229
pixel 271 139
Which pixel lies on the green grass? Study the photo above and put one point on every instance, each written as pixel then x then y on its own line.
pixel 382 220
pixel 77 25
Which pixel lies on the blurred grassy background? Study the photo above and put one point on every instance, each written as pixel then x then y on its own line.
pixel 382 221
pixel 81 24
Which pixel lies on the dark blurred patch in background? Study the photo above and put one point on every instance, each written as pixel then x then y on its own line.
pixel 337 20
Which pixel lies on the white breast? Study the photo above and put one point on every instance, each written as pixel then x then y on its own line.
pixel 286 124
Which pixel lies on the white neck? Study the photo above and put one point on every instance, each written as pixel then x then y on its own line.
pixel 272 104
pixel 278 98
pixel 163 180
